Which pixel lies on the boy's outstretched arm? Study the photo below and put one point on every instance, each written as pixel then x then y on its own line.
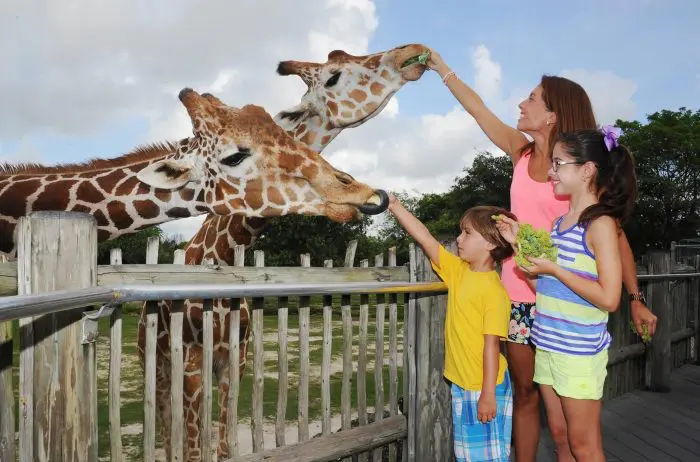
pixel 416 229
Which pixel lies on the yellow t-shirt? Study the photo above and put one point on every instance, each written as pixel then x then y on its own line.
pixel 477 304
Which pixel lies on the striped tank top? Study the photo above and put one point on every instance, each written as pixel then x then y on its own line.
pixel 565 322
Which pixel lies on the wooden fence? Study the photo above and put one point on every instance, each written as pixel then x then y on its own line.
pixel 409 418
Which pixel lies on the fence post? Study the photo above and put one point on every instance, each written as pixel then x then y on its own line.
pixel 696 310
pixel 7 396
pixel 57 251
pixel 433 401
pixel 660 302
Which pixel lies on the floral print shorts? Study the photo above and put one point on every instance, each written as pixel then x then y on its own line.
pixel 521 317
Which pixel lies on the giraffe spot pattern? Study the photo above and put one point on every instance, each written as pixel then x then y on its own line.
pixel 55 196
pixel 377 88
pixel 332 107
pixel 109 182
pixel 147 208
pixel 178 212
pixel 358 95
pixel 13 203
pixel 101 218
pixel 87 192
pixel 120 217
pixel 274 196
pixel 253 193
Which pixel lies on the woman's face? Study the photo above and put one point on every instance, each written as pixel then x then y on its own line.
pixel 534 115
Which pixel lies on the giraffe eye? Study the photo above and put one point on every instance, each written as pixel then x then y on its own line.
pixel 235 159
pixel 333 80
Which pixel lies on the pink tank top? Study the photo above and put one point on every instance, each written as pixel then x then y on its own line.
pixel 535 203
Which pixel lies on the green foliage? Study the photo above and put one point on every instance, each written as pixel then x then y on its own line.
pixel 286 238
pixel 645 332
pixel 134 247
pixel 533 242
pixel 667 158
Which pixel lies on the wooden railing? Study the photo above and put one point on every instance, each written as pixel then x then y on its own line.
pixel 417 429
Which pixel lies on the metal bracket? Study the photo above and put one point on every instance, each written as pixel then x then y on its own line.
pixel 90 331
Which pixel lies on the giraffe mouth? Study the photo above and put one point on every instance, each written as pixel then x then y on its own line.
pixel 376 204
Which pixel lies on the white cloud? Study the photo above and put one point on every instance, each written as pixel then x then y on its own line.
pixel 130 59
pixel 610 94
pixel 488 74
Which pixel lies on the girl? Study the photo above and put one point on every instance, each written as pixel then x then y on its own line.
pixel 554 106
pixel 575 294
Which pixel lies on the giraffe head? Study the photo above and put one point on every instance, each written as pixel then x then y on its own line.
pixel 347 90
pixel 239 161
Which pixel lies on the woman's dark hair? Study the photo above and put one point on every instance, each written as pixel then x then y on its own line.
pixel 570 102
pixel 615 181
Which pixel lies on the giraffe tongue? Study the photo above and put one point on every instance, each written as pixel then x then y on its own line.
pixel 376 204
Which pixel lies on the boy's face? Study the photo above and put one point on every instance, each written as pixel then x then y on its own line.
pixel 471 245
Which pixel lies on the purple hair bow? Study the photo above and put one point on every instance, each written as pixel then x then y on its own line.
pixel 610 135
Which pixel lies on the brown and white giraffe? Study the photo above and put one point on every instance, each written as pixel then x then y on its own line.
pixel 238 161
pixel 344 92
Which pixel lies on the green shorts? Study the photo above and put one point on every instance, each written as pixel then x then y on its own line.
pixel 572 376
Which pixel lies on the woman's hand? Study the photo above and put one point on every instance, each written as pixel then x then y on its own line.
pixel 508 228
pixel 436 63
pixel 642 315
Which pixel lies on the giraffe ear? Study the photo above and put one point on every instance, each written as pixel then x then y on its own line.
pixel 166 174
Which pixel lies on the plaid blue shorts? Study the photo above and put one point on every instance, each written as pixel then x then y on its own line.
pixel 475 441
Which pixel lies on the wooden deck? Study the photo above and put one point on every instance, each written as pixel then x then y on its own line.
pixel 644 426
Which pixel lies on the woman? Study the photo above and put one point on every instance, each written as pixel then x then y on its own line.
pixel 554 106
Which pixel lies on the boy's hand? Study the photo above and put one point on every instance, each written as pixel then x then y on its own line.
pixel 393 202
pixel 486 407
pixel 508 228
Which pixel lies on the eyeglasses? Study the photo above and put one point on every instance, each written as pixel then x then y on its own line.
pixel 556 163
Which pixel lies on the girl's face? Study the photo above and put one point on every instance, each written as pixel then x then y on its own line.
pixel 534 115
pixel 566 173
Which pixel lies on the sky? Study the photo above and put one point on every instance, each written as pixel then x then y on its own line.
pixel 83 78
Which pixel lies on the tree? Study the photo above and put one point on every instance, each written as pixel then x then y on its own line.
pixel 134 245
pixel 486 182
pixel 286 238
pixel 667 156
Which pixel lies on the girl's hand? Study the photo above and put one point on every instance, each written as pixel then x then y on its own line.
pixel 540 266
pixel 508 228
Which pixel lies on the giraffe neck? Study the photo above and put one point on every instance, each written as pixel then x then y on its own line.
pixel 119 202
pixel 313 130
pixel 219 234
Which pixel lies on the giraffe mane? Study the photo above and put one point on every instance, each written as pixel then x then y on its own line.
pixel 139 154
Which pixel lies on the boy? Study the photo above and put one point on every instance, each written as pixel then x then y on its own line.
pixel 478 310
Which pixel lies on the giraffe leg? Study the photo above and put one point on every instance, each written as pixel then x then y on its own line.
pixel 222 450
pixel 193 402
pixel 163 404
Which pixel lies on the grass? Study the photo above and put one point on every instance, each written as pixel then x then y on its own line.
pixel 132 376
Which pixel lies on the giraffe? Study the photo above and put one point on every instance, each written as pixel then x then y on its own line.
pixel 344 92
pixel 238 161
